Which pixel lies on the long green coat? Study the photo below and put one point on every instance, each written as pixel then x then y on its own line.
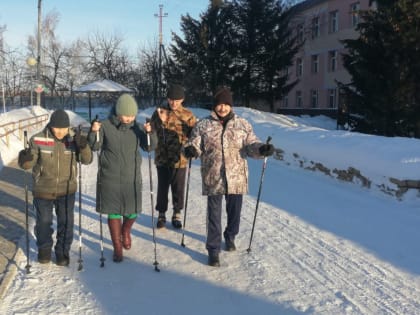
pixel 119 183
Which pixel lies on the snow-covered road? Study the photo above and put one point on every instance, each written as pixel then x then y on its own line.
pixel 294 266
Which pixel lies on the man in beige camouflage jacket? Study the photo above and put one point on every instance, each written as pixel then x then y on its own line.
pixel 223 140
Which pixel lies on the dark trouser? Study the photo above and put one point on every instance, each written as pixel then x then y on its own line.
pixel 174 178
pixel 214 217
pixel 64 210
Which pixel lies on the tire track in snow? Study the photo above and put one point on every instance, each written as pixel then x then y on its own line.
pixel 350 280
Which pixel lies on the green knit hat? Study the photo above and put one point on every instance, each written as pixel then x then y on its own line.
pixel 126 106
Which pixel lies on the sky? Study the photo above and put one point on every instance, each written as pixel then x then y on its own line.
pixel 320 245
pixel 134 20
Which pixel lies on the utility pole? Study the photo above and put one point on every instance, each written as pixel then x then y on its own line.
pixel 38 59
pixel 161 15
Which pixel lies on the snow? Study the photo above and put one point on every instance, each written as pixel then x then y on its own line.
pixel 320 245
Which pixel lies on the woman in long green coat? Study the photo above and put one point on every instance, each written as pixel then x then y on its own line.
pixel 119 182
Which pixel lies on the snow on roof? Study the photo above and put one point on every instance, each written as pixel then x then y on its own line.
pixel 103 86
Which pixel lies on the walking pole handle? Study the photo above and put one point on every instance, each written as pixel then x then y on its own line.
pixel 97 133
pixel 28 266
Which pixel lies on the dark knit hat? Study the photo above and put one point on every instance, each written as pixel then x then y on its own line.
pixel 126 106
pixel 222 95
pixel 175 92
pixel 59 119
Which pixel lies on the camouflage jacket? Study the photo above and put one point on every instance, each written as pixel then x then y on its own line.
pixel 172 135
pixel 223 152
pixel 54 164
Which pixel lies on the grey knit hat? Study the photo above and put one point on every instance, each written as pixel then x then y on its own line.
pixel 126 106
pixel 59 119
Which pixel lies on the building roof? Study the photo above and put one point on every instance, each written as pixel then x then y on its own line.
pixel 103 86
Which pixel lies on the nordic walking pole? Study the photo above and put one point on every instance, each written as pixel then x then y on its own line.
pixel 186 202
pixel 102 259
pixel 80 261
pixel 258 198
pixel 151 196
pixel 28 266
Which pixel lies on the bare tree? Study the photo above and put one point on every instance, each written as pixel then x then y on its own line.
pixel 107 58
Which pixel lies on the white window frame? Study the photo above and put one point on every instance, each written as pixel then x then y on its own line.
pixel 333 19
pixel 354 13
pixel 316 31
pixel 332 60
pixel 314 98
pixel 332 98
pixel 299 67
pixel 299 100
pixel 315 64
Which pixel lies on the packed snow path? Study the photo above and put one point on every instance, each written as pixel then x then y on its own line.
pixel 294 266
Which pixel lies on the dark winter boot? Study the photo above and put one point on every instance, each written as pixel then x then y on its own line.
pixel 214 260
pixel 126 232
pixel 44 255
pixel 115 231
pixel 62 259
pixel 229 243
pixel 176 220
pixel 161 222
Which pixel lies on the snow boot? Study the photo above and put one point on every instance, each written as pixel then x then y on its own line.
pixel 214 260
pixel 62 259
pixel 44 255
pixel 176 220
pixel 126 232
pixel 115 229
pixel 229 243
pixel 161 222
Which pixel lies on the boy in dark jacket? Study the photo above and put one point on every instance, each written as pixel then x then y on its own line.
pixel 53 155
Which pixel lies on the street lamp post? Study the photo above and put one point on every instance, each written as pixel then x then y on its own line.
pixel 31 62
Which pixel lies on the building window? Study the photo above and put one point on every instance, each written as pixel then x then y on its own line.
pixel 332 60
pixel 314 98
pixel 333 22
pixel 315 28
pixel 354 12
pixel 299 99
pixel 299 67
pixel 315 63
pixel 332 98
pixel 285 101
pixel 300 33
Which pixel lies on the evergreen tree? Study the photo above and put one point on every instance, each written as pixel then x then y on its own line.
pixel 204 57
pixel 266 50
pixel 384 65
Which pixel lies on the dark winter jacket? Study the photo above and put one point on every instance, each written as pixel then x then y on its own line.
pixel 119 182
pixel 54 164
pixel 223 150
pixel 172 134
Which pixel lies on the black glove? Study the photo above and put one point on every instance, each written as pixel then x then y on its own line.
pixel 190 152
pixel 80 141
pixel 25 156
pixel 266 149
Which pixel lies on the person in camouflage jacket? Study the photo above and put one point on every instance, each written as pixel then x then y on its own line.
pixel 223 141
pixel 53 155
pixel 172 125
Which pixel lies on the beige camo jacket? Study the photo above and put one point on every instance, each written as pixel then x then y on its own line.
pixel 223 153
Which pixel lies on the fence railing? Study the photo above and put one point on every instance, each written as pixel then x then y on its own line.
pixel 19 126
